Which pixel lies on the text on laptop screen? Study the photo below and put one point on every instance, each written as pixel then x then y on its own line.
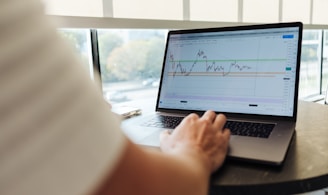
pixel 244 71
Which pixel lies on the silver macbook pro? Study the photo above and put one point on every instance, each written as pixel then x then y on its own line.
pixel 249 73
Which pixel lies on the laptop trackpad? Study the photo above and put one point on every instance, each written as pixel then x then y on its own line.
pixel 152 139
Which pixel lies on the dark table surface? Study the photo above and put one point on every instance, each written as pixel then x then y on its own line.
pixel 305 167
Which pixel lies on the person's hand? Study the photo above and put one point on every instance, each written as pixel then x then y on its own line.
pixel 202 137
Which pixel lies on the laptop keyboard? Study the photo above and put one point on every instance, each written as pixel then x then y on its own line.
pixel 241 128
pixel 159 121
pixel 261 130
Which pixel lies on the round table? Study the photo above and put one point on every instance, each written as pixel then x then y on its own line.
pixel 304 169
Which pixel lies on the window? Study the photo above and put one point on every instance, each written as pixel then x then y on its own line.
pixel 131 60
pixel 310 63
pixel 314 64
pixel 325 63
pixel 130 63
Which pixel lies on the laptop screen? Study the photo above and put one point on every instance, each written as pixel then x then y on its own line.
pixel 246 69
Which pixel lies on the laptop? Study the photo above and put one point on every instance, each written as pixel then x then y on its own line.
pixel 250 73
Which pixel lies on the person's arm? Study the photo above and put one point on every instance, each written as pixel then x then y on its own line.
pixel 195 149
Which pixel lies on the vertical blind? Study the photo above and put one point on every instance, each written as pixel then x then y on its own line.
pixel 261 11
pixel 213 10
pixel 320 14
pixel 90 8
pixel 148 9
pixel 254 11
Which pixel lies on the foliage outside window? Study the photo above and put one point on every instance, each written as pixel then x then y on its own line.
pixel 127 55
pixel 130 62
